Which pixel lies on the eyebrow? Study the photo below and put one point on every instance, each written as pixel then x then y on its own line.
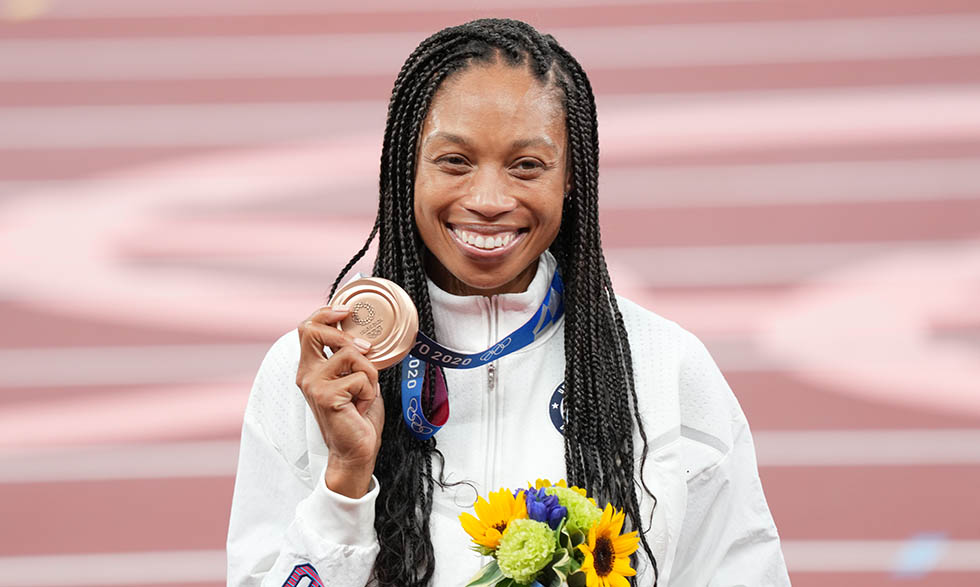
pixel 518 144
pixel 534 142
pixel 446 136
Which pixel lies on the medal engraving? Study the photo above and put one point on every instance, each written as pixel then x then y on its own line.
pixel 381 313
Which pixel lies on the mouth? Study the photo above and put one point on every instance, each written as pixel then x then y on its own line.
pixel 486 242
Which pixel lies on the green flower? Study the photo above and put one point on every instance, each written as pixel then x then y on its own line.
pixel 582 512
pixel 525 548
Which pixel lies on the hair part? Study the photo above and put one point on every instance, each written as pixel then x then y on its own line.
pixel 599 385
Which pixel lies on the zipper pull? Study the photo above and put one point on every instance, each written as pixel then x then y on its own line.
pixel 491 377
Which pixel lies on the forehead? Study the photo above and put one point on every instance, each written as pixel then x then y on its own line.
pixel 496 99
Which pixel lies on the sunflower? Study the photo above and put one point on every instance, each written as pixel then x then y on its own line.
pixel 607 554
pixel 493 516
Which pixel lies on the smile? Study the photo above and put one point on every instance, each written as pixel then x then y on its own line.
pixel 485 243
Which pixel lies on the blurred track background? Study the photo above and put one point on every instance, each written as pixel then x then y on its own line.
pixel 796 182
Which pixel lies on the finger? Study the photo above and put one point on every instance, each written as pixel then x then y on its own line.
pixel 330 314
pixel 355 389
pixel 346 361
pixel 315 335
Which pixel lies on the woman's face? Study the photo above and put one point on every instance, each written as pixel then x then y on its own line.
pixel 490 179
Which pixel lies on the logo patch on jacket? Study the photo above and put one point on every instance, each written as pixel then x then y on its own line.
pixel 555 408
pixel 303 576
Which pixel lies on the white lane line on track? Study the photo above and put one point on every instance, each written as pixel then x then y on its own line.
pixel 130 568
pixel 820 182
pixel 216 458
pixel 129 365
pixel 676 45
pixel 774 448
pixel 183 125
pixel 167 567
pixel 631 125
pixel 815 448
pixel 184 8
pixel 820 556
pixel 750 265
pixel 161 413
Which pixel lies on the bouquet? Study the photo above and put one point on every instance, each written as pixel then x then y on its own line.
pixel 549 536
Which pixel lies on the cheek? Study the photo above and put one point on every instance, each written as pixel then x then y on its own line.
pixel 434 195
pixel 424 198
pixel 554 220
pixel 553 207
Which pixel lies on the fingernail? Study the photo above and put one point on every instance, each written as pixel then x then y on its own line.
pixel 341 308
pixel 362 344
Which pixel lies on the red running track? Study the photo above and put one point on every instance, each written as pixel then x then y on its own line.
pixel 786 180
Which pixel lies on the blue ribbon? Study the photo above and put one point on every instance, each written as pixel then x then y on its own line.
pixel 430 351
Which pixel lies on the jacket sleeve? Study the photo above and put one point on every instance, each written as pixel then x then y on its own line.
pixel 286 526
pixel 728 537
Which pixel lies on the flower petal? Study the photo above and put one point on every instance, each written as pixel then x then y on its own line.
pixel 616 523
pixel 626 544
pixel 589 559
pixel 483 510
pixel 472 526
pixel 591 538
pixel 622 567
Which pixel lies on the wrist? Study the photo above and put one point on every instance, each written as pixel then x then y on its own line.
pixel 350 479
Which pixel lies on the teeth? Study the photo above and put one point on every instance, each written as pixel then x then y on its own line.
pixel 485 242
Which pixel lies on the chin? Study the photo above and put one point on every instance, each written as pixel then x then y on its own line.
pixel 496 282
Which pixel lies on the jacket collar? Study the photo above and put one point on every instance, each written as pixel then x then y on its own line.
pixel 467 323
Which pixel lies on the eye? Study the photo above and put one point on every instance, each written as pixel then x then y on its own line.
pixel 453 163
pixel 527 168
pixel 454 160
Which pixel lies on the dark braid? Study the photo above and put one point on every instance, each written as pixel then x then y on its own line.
pixel 599 389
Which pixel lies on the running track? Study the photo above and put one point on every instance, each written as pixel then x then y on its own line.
pixel 796 182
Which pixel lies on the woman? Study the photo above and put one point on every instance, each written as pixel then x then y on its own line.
pixel 489 185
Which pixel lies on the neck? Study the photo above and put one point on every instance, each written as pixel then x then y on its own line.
pixel 449 283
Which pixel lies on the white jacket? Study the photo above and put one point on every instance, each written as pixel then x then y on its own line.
pixel 711 526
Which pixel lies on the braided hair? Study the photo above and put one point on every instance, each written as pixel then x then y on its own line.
pixel 599 389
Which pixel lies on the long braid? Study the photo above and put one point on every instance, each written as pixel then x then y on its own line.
pixel 617 371
pixel 599 388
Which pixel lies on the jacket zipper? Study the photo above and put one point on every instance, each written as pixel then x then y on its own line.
pixel 493 375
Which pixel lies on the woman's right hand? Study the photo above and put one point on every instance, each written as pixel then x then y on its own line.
pixel 343 393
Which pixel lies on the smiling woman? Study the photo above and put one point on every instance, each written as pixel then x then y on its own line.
pixel 491 179
pixel 488 218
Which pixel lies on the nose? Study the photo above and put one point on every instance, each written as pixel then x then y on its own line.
pixel 487 195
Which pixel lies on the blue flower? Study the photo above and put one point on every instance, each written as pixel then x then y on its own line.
pixel 544 508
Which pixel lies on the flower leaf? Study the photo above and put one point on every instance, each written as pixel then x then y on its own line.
pixel 576 579
pixel 488 576
pixel 483 550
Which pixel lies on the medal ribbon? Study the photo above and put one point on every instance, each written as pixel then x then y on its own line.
pixel 430 351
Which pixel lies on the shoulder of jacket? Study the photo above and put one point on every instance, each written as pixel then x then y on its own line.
pixel 277 372
pixel 642 323
pixel 708 408
pixel 276 404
